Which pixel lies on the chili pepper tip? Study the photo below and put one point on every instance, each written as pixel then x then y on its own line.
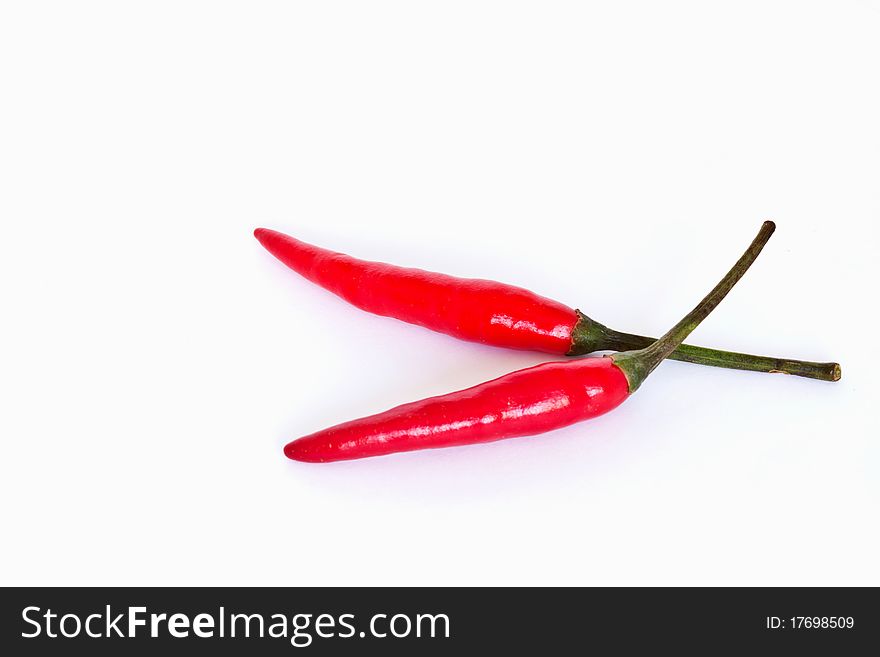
pixel 268 238
pixel 298 452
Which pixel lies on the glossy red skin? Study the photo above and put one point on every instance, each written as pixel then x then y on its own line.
pixel 470 309
pixel 522 403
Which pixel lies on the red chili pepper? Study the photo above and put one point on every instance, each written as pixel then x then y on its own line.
pixel 470 309
pixel 490 312
pixel 522 403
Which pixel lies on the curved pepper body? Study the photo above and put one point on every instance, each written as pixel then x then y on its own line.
pixel 471 309
pixel 522 403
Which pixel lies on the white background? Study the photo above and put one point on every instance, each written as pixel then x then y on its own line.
pixel 615 156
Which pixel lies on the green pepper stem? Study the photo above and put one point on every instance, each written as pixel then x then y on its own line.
pixel 638 364
pixel 590 336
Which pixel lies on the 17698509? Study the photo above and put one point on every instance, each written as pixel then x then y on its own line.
pixel 810 623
